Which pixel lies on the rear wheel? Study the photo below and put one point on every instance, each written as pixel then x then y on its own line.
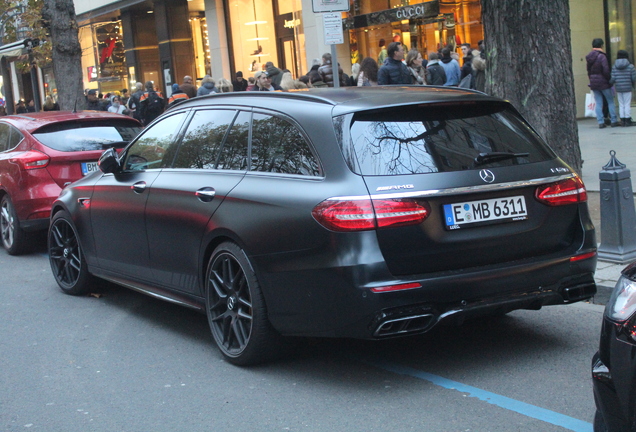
pixel 14 239
pixel 236 309
pixel 66 257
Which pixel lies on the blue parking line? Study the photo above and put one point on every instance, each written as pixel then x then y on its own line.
pixel 528 410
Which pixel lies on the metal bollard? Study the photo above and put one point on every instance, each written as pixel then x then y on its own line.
pixel 618 219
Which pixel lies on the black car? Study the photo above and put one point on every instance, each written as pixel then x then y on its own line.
pixel 614 365
pixel 353 212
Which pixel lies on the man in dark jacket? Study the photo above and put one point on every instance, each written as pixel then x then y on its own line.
pixel 239 84
pixel 133 102
pixel 394 71
pixel 92 102
pixel 275 74
pixel 435 74
pixel 468 58
pixel 188 87
pixel 326 71
pixel 599 72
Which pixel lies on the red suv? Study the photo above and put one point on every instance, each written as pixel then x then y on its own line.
pixel 40 154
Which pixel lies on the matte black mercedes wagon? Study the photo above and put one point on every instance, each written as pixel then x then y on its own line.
pixel 355 212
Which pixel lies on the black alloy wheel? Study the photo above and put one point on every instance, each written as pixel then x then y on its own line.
pixel 236 309
pixel 14 238
pixel 65 255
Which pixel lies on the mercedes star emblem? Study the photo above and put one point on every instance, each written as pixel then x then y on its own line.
pixel 487 176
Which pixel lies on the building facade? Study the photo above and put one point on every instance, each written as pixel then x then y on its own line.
pixel 128 41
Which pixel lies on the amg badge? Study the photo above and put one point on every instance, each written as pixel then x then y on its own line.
pixel 394 187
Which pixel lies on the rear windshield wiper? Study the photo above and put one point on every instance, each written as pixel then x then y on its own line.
pixel 485 158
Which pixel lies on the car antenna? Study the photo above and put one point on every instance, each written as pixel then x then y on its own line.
pixel 75 107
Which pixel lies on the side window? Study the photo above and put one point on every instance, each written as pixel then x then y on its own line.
pixel 202 141
pixel 16 137
pixel 234 152
pixel 155 147
pixel 5 136
pixel 278 146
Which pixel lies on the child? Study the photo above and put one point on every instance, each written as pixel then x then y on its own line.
pixel 623 78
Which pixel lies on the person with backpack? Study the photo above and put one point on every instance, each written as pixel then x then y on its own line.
pixel 151 104
pixel 133 102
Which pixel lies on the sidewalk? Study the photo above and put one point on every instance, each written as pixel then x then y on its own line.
pixel 595 146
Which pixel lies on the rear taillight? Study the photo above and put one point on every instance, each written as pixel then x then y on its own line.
pixel 32 160
pixel 569 191
pixel 365 214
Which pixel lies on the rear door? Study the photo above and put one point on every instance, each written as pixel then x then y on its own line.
pixel 211 161
pixel 119 200
pixel 477 169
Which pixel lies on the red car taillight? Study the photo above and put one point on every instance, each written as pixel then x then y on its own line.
pixel 365 214
pixel 32 160
pixel 569 191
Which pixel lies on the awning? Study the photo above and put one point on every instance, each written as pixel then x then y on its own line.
pixel 14 49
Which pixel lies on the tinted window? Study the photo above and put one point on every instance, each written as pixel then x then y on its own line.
pixel 90 135
pixel 278 146
pixel 153 149
pixel 428 139
pixel 5 136
pixel 201 144
pixel 234 152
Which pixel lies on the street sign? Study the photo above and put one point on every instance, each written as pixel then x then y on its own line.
pixel 332 23
pixel 321 6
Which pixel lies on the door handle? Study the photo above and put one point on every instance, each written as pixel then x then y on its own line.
pixel 139 187
pixel 205 194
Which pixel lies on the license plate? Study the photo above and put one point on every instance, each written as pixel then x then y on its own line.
pixel 475 213
pixel 89 167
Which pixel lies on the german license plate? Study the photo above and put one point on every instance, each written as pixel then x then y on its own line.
pixel 475 213
pixel 89 167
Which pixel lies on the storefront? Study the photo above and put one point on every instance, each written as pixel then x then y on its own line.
pixel 260 31
pixel 621 26
pixel 424 25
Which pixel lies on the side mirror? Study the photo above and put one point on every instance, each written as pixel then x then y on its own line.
pixel 109 161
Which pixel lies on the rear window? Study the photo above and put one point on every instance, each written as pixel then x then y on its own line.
pixel 85 136
pixel 422 139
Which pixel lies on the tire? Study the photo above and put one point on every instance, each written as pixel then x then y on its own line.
pixel 65 256
pixel 14 239
pixel 236 309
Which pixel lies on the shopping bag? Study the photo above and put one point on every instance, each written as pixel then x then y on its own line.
pixel 590 105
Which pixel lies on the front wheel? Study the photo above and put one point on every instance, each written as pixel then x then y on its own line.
pixel 14 239
pixel 66 257
pixel 236 309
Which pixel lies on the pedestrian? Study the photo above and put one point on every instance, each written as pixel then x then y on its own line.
pixel 188 87
pixel 287 81
pixel 239 84
pixel 177 96
pixel 207 86
pixel 414 63
pixel 326 71
pixel 368 75
pixel 151 104
pixel 92 102
pixel 435 73
pixel 124 97
pixel 264 82
pixel 133 102
pixel 355 71
pixel 383 53
pixel 31 106
pixel 468 58
pixel 275 74
pixel 117 107
pixel 599 73
pixel 394 71
pixel 50 104
pixel 315 64
pixel 478 64
pixel 224 86
pixel 20 107
pixel 623 78
pixel 451 67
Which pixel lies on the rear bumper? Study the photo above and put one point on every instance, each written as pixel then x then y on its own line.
pixel 329 302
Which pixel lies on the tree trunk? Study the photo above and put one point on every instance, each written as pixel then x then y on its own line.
pixel 59 16
pixel 529 55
